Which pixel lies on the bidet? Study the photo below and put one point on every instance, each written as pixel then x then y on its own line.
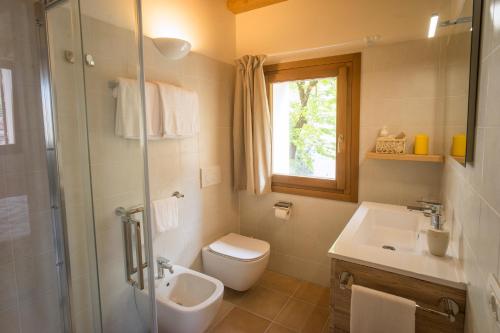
pixel 186 300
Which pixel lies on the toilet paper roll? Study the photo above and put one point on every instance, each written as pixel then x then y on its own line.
pixel 282 213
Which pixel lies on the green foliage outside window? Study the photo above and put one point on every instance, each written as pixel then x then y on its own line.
pixel 312 123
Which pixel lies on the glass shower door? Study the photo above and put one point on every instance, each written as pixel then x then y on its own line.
pixel 102 176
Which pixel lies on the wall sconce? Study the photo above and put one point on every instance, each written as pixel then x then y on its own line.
pixel 172 48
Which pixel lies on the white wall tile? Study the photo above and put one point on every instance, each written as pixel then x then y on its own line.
pixel 477 185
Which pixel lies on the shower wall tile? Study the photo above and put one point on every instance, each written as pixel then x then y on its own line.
pixel 173 165
pixel 207 213
pixel 472 194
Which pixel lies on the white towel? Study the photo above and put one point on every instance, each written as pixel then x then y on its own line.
pixel 373 311
pixel 180 111
pixel 166 214
pixel 128 110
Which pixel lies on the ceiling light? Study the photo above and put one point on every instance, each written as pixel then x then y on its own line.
pixel 433 23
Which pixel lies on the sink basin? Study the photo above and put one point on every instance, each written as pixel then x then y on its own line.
pixel 394 239
pixel 389 229
pixel 187 301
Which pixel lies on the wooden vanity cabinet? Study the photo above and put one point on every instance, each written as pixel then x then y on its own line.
pixel 426 294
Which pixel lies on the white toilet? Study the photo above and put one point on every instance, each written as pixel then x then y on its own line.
pixel 238 261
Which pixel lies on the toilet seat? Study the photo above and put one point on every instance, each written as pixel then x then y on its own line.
pixel 240 247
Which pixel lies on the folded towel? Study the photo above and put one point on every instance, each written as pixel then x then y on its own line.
pixel 373 311
pixel 128 115
pixel 166 214
pixel 180 111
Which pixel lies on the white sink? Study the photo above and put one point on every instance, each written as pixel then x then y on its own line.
pixel 392 238
pixel 187 301
pixel 390 229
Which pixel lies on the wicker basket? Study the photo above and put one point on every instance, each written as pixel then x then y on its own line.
pixel 390 145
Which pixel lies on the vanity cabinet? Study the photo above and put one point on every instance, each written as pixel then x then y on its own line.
pixel 426 294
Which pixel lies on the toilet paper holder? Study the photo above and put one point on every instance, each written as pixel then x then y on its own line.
pixel 283 204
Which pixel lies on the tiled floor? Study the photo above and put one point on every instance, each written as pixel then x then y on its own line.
pixel 276 304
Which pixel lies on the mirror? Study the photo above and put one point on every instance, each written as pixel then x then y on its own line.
pixel 461 70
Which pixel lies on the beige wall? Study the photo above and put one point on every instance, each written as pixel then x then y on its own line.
pixel 207 25
pixel 472 194
pixel 456 91
pixel 401 88
pixel 303 24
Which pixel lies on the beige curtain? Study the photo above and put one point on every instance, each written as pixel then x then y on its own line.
pixel 251 127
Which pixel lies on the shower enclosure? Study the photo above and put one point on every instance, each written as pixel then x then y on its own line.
pixel 64 173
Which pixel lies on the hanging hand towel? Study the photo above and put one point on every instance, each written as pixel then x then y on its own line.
pixel 180 111
pixel 128 113
pixel 166 214
pixel 373 311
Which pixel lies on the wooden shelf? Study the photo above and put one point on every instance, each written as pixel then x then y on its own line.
pixel 459 159
pixel 406 157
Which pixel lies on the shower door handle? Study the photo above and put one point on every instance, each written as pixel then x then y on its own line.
pixel 138 248
pixel 131 225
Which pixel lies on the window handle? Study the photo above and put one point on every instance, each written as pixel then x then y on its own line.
pixel 340 144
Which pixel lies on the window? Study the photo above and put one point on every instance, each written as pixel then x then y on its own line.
pixel 315 119
pixel 6 107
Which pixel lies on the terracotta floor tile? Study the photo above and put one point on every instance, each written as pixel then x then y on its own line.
pixel 279 282
pixel 316 320
pixel 324 300
pixel 275 328
pixel 241 321
pixel 310 292
pixel 233 296
pixel 295 314
pixel 264 302
pixel 224 309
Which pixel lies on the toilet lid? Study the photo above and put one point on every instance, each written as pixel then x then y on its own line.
pixel 240 247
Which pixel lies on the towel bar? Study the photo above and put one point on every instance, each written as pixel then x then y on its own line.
pixel 450 307
pixel 113 84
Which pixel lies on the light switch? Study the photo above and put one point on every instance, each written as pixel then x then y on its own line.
pixel 211 176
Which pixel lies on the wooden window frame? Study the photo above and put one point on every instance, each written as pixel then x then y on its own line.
pixel 347 68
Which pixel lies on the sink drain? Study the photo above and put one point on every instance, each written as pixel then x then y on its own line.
pixel 389 247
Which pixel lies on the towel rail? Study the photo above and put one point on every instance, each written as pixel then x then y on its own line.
pixel 178 195
pixel 113 84
pixel 449 306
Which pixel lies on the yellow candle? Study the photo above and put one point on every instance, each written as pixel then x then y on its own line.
pixel 458 146
pixel 421 144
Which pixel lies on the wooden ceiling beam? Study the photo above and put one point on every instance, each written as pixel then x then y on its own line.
pixel 241 6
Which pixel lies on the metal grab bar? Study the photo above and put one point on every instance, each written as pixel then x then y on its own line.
pixel 131 224
pixel 450 307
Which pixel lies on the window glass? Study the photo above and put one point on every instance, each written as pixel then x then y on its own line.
pixel 6 107
pixel 304 127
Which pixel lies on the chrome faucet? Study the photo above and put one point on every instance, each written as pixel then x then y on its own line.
pixel 433 210
pixel 162 264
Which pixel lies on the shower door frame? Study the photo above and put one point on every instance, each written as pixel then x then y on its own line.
pixel 55 187
pixel 57 207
